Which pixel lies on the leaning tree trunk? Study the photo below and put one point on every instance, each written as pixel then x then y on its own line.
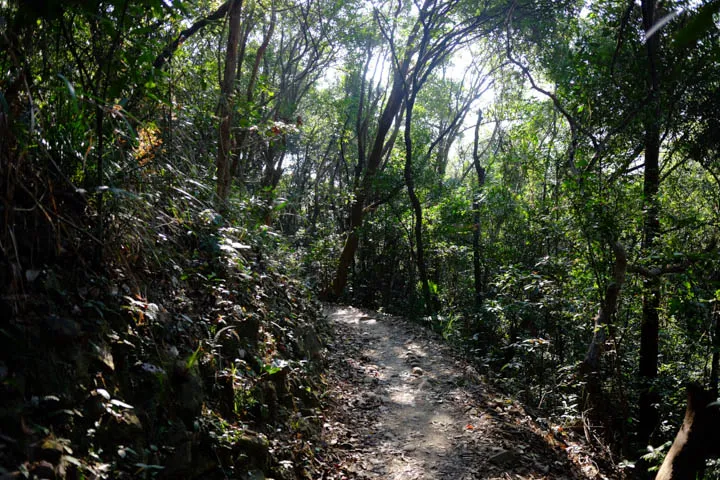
pixel 649 330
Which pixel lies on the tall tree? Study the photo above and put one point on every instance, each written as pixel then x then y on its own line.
pixel 362 192
pixel 227 95
pixel 439 29
pixel 650 326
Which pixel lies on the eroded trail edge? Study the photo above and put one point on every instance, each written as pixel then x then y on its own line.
pixel 406 408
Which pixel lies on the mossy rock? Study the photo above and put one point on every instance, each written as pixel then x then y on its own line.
pixel 254 448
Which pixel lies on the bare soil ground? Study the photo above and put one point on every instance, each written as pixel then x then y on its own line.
pixel 406 408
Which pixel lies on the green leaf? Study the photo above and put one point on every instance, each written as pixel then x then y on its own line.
pixel 276 366
pixel 193 358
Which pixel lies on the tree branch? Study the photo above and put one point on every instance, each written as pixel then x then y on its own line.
pixel 169 50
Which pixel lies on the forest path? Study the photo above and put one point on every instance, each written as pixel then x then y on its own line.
pixel 406 408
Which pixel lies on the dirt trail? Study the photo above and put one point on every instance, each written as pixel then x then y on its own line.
pixel 405 408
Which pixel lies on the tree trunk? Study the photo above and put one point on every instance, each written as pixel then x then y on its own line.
pixel 226 103
pixel 100 195
pixel 649 330
pixel 417 208
pixel 349 249
pixel 259 56
pixel 590 367
pixel 477 254
pixel 715 370
pixel 697 439
pixel 240 151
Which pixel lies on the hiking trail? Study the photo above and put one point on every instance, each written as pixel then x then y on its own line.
pixel 405 407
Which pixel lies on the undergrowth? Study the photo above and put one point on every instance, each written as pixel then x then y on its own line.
pixel 180 349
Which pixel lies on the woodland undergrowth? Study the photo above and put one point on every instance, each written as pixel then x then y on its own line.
pixel 182 349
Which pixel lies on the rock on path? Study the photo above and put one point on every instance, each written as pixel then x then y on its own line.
pixel 405 408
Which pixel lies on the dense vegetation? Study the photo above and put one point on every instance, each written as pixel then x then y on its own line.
pixel 538 180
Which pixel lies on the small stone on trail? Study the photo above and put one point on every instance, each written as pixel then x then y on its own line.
pixel 417 371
